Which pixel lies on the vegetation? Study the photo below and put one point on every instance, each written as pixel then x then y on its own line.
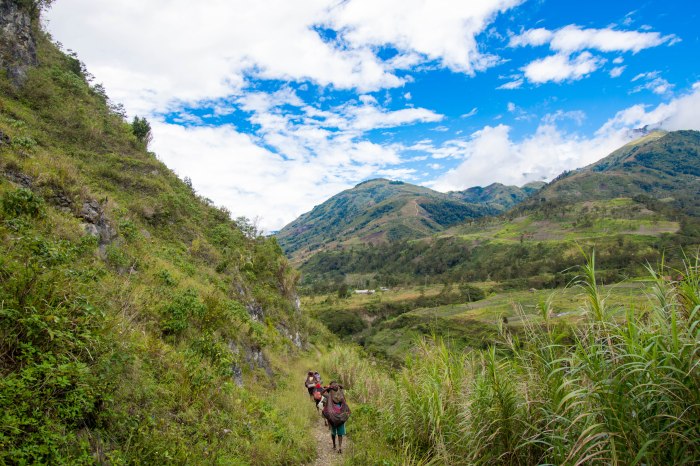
pixel 519 251
pixel 142 130
pixel 660 166
pixel 141 324
pixel 374 212
pixel 621 388
pixel 138 323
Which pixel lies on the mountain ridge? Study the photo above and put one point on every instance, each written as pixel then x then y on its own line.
pixel 380 210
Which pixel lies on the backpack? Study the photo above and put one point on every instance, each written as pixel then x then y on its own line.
pixel 336 410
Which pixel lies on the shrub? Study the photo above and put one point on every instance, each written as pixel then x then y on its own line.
pixel 22 202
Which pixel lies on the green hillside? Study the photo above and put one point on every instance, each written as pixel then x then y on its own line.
pixel 137 321
pixel 498 196
pixel 375 212
pixel 632 206
pixel 664 166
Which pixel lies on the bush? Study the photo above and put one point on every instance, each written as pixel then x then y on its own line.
pixel 343 323
pixel 22 202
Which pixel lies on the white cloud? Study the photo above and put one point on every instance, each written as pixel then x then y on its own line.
pixel 683 112
pixel 652 82
pixel 533 37
pixel 572 38
pixel 565 65
pixel 617 71
pixel 153 56
pixel 560 67
pixel 441 30
pixel 515 84
pixel 492 155
pixel 470 113
pixel 234 170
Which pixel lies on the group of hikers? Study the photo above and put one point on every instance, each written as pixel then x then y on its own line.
pixel 330 401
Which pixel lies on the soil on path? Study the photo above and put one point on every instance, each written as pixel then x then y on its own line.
pixel 324 446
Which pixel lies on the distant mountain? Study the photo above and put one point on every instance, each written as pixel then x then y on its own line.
pixel 630 207
pixel 660 165
pixel 376 211
pixel 498 196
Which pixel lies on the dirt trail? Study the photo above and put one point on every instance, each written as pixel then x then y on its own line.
pixel 324 446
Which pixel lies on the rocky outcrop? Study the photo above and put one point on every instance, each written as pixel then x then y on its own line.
pixel 17 43
pixel 96 223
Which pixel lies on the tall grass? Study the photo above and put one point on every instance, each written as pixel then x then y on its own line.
pixel 621 388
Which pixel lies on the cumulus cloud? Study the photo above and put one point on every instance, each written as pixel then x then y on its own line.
pixel 441 30
pixel 492 155
pixel 233 169
pixel 163 53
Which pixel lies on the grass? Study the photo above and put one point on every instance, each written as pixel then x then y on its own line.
pixel 621 387
pixel 472 324
pixel 583 221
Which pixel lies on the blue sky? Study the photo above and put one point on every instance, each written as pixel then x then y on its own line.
pixel 271 107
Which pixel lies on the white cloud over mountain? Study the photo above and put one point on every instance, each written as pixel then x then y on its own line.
pixel 491 154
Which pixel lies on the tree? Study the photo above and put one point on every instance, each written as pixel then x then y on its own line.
pixel 142 130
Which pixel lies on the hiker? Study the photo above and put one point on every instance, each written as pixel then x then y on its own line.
pixel 310 384
pixel 336 411
pixel 317 395
pixel 317 376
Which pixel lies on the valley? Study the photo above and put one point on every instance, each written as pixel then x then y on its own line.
pixel 142 322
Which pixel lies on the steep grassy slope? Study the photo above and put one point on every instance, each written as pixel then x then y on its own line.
pixel 138 323
pixel 375 211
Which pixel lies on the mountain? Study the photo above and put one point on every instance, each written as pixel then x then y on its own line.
pixel 631 206
pixel 376 211
pixel 138 322
pixel 498 196
pixel 660 165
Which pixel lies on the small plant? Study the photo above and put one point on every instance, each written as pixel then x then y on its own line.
pixel 21 202
pixel 24 142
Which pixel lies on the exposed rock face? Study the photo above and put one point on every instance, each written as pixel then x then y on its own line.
pixel 97 223
pixel 17 44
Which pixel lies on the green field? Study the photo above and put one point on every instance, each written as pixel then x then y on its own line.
pixel 393 333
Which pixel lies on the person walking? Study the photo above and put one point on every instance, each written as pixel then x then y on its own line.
pixel 336 411
pixel 310 384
